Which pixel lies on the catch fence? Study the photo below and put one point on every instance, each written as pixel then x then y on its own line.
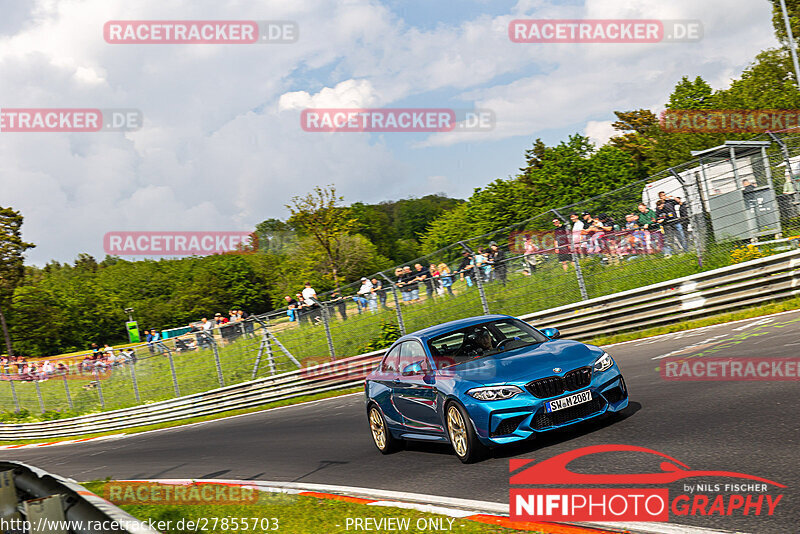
pixel 740 202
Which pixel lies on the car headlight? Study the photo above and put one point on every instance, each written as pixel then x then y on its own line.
pixel 491 393
pixel 604 362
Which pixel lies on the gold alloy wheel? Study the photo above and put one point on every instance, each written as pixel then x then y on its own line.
pixel 378 430
pixel 458 430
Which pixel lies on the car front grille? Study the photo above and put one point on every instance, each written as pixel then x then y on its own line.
pixel 544 420
pixel 508 426
pixel 556 385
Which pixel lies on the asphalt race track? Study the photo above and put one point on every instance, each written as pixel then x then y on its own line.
pixel 746 427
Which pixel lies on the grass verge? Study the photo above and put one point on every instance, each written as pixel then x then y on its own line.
pixel 212 417
pixel 748 313
pixel 281 512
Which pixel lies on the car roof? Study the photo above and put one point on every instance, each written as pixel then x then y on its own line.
pixel 433 331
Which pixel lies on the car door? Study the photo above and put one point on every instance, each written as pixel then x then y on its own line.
pixel 384 382
pixel 415 392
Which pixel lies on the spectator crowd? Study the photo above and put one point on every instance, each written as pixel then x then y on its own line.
pixel 664 228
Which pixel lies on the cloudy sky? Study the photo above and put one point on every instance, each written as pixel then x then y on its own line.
pixel 222 148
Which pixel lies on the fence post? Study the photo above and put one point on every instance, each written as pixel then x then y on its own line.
pixel 66 389
pixel 216 360
pixel 697 218
pixel 99 389
pixel 270 357
pixel 326 324
pixel 258 356
pixel 14 394
pixel 400 323
pixel 172 370
pixel 575 259
pixel 39 394
pixel 478 278
pixel 481 291
pixel 132 366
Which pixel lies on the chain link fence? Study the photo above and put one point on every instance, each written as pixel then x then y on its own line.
pixel 730 204
pixel 195 362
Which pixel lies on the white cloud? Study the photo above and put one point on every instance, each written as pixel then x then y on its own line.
pixel 599 132
pixel 347 94
pixel 222 146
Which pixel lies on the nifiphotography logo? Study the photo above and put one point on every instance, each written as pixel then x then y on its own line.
pixel 554 499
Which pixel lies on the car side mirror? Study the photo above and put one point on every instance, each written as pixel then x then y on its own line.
pixel 551 333
pixel 413 369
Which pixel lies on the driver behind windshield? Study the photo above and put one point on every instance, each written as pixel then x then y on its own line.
pixel 480 342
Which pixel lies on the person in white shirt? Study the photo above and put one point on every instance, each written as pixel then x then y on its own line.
pixel 578 227
pixel 366 292
pixel 308 294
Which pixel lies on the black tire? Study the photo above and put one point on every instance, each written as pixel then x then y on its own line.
pixel 381 435
pixel 462 435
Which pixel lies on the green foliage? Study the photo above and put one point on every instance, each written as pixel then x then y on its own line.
pixel 64 308
pixel 389 332
pixel 793 9
pixel 395 227
pixel 565 174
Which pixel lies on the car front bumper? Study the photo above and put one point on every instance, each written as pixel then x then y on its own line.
pixel 523 416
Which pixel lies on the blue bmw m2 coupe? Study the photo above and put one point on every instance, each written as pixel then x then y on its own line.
pixel 487 381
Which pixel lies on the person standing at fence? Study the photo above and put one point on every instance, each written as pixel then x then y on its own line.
pixel 666 218
pixel 308 294
pixel 446 278
pixel 410 287
pixel 339 303
pixel 377 288
pixel 529 254
pixel 423 274
pixel 291 308
pixel 561 238
pixel 499 260
pixel 365 291
pixel 577 234
pixel 466 268
pixel 676 231
pixel 647 222
pixel 148 337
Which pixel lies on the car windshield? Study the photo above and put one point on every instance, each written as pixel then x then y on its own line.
pixel 481 340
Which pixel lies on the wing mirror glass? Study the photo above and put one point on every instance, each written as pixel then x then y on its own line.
pixel 551 332
pixel 413 369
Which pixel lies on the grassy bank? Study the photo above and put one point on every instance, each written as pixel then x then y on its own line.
pixel 278 512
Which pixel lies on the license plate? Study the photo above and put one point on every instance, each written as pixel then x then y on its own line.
pixel 568 402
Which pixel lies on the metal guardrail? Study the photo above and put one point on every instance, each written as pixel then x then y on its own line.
pixel 341 374
pixel 49 501
pixel 736 286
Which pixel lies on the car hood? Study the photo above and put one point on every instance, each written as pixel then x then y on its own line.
pixel 529 363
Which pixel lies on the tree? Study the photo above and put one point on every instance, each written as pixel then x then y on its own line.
pixel 692 95
pixel 320 215
pixel 793 9
pixel 273 235
pixel 12 248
